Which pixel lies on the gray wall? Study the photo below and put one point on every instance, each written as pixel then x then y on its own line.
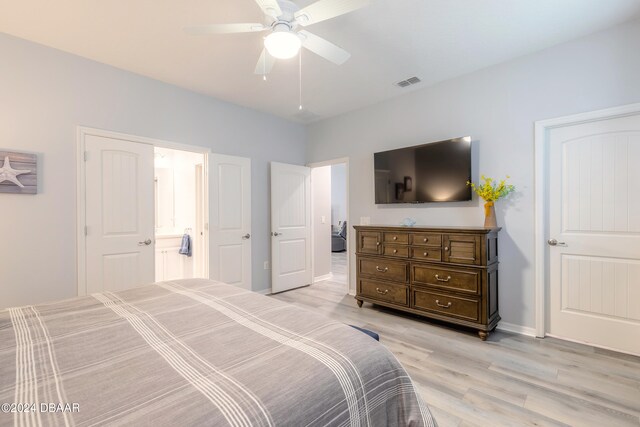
pixel 497 106
pixel 338 193
pixel 45 94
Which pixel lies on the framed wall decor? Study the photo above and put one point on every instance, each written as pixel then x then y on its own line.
pixel 408 183
pixel 399 190
pixel 18 173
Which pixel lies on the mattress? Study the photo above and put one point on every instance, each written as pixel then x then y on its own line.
pixel 195 352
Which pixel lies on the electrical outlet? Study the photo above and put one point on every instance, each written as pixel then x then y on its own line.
pixel 365 220
pixel 266 265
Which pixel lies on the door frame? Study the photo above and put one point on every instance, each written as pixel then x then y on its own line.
pixel 81 220
pixel 541 202
pixel 338 161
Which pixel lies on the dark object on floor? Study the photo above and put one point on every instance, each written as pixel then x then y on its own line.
pixel 368 332
pixel 339 239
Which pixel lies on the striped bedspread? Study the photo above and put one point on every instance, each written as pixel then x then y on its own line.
pixel 195 353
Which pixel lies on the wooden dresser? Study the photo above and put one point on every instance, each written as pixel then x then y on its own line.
pixel 444 273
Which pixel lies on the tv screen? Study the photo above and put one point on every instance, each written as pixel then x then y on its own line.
pixel 435 172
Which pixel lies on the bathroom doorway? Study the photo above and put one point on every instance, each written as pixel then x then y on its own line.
pixel 179 186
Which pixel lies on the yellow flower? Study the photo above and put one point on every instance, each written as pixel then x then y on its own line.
pixel 490 190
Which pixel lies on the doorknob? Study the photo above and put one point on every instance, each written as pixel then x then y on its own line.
pixel 246 236
pixel 145 243
pixel 276 234
pixel 554 242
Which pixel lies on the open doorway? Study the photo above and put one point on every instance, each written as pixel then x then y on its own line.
pixel 179 214
pixel 329 183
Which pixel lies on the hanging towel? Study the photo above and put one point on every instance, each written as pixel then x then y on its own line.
pixel 185 246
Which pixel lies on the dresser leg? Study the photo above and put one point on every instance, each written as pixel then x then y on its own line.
pixel 359 303
pixel 483 335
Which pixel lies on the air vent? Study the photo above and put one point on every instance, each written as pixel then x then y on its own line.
pixel 410 81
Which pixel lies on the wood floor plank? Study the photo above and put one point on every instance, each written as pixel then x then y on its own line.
pixel 509 380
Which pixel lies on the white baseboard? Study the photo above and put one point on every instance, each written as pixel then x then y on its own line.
pixel 516 329
pixel 264 291
pixel 323 277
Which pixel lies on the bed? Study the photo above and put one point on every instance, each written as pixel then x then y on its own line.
pixel 195 352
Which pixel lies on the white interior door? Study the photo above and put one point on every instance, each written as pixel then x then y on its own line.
pixel 594 215
pixel 230 216
pixel 119 214
pixel 290 226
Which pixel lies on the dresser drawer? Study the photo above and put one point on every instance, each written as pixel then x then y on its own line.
pixel 368 242
pixel 467 281
pixel 389 292
pixel 426 239
pixel 447 305
pixel 395 250
pixel 462 249
pixel 430 254
pixel 400 238
pixel 397 271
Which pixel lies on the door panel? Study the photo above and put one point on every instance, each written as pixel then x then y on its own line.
pixel 594 214
pixel 230 213
pixel 290 226
pixel 231 256
pixel 119 214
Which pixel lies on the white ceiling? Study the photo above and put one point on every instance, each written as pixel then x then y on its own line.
pixel 390 40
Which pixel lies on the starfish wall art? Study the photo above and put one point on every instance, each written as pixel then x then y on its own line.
pixel 18 173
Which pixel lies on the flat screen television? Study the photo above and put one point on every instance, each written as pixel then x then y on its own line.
pixel 435 172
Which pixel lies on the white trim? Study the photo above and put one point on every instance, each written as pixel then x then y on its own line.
pixel 590 344
pixel 323 277
pixel 338 161
pixel 542 129
pixel 263 291
pixel 328 162
pixel 81 221
pixel 516 329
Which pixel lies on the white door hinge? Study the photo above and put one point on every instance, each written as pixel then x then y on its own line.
pixel 86 230
pixel 86 156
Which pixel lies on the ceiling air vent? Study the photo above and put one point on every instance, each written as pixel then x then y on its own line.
pixel 410 81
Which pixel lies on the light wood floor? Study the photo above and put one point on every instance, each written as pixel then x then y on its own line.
pixel 509 380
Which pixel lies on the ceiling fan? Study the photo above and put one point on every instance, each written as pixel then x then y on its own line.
pixel 282 18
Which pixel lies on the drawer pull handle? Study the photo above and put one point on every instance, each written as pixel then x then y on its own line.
pixel 425 240
pixel 382 270
pixel 425 254
pixel 442 305
pixel 440 279
pixel 386 291
pixel 377 243
pixel 395 251
pixel 395 237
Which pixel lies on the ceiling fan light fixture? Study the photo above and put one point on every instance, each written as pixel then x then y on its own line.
pixel 282 43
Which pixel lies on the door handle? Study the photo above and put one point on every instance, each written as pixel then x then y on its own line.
pixel 554 242
pixel 145 243
pixel 276 234
pixel 246 236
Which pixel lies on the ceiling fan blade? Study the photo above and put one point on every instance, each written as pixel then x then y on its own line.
pixel 270 7
pixel 324 48
pixel 265 63
pixel 327 9
pixel 198 30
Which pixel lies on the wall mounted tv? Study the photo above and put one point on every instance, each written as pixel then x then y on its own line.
pixel 435 172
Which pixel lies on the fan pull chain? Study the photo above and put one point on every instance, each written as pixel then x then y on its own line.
pixel 300 79
pixel 264 66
